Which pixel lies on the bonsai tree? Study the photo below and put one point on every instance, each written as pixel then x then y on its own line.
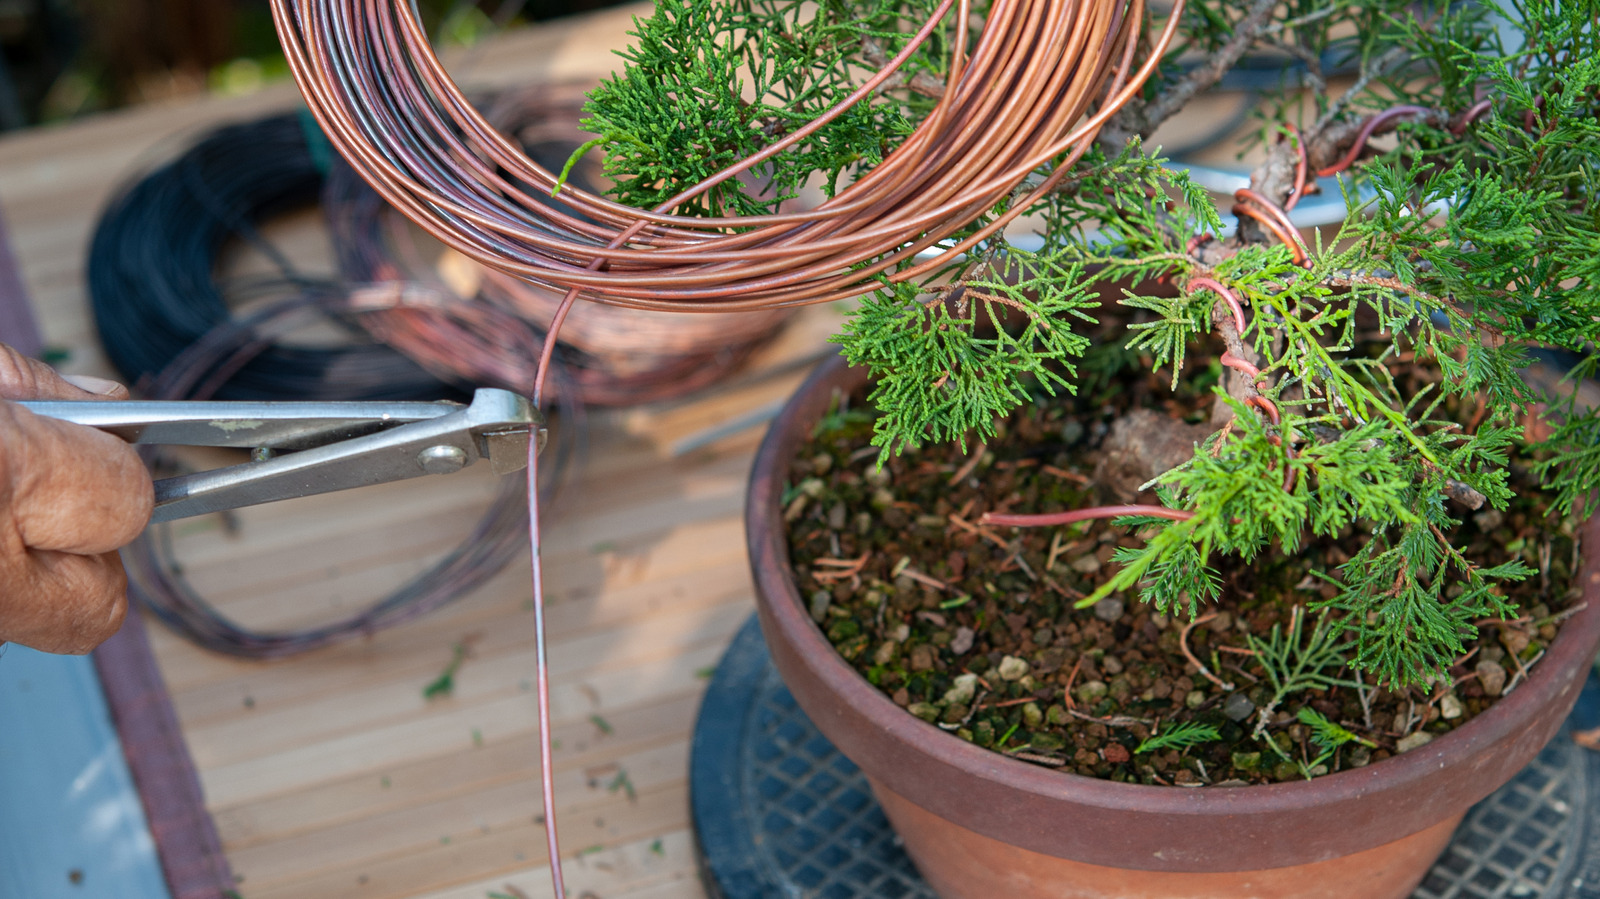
pixel 1471 241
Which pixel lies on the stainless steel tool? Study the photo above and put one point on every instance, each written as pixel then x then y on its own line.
pixel 302 449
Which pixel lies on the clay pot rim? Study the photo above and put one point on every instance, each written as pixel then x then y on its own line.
pixel 766 537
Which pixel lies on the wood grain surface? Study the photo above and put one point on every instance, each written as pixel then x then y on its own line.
pixel 330 775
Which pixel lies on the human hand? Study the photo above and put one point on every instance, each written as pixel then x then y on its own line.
pixel 69 497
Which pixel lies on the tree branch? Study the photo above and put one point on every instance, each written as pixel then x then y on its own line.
pixel 1142 119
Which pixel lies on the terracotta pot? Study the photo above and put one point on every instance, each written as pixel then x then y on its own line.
pixel 979 824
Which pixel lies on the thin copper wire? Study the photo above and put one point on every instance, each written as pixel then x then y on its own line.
pixel 1228 296
pixel 1366 132
pixel 1302 163
pixel 1273 218
pixel 1471 115
pixel 1075 515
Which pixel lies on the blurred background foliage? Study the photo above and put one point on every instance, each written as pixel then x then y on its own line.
pixel 64 58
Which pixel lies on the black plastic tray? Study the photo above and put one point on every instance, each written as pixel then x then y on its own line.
pixel 778 812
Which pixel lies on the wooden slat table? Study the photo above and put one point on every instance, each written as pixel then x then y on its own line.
pixel 330 775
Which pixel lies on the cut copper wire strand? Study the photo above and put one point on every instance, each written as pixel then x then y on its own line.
pixel 1302 163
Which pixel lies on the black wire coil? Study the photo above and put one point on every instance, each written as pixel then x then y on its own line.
pixel 167 325
pixel 152 283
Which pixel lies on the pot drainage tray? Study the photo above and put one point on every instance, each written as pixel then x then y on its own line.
pixel 778 812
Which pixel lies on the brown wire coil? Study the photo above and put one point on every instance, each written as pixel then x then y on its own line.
pixel 1040 80
pixel 478 324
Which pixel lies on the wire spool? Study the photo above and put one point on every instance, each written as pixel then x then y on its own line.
pixel 617 356
pixel 167 324
pixel 388 106
pixel 155 576
pixel 152 262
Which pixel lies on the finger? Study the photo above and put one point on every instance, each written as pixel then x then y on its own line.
pixel 61 602
pixel 101 387
pixel 69 488
pixel 22 378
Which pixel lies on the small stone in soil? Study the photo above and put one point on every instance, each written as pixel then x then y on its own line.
pixel 962 641
pixel 1195 699
pixel 965 687
pixel 1450 706
pixel 1238 707
pixel 1108 609
pixel 1420 738
pixel 1491 676
pixel 923 657
pixel 1032 715
pixel 1111 664
pixel 1090 565
pixel 836 516
pixel 1012 668
pixel 1092 691
pixel 820 601
pixel 1115 753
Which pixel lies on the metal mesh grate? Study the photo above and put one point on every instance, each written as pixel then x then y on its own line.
pixel 1519 842
pixel 813 830
pixel 824 834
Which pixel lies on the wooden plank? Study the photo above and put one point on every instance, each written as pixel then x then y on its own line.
pixel 578 743
pixel 453 859
pixel 645 869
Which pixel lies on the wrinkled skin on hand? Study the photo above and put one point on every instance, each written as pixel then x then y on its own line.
pixel 69 497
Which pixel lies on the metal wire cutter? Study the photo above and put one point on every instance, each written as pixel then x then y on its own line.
pixel 302 449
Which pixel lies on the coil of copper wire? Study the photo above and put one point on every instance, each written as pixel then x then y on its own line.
pixel 615 355
pixel 1033 89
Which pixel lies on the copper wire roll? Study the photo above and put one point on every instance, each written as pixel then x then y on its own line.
pixel 476 325
pixel 623 355
pixel 1039 81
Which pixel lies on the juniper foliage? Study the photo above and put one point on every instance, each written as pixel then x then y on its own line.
pixel 1180 735
pixel 709 82
pixel 1474 239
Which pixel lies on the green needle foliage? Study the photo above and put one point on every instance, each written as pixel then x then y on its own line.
pixel 986 365
pixel 1181 735
pixel 1296 661
pixel 1472 241
pixel 709 82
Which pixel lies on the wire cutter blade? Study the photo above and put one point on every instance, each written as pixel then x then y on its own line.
pixel 306 448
